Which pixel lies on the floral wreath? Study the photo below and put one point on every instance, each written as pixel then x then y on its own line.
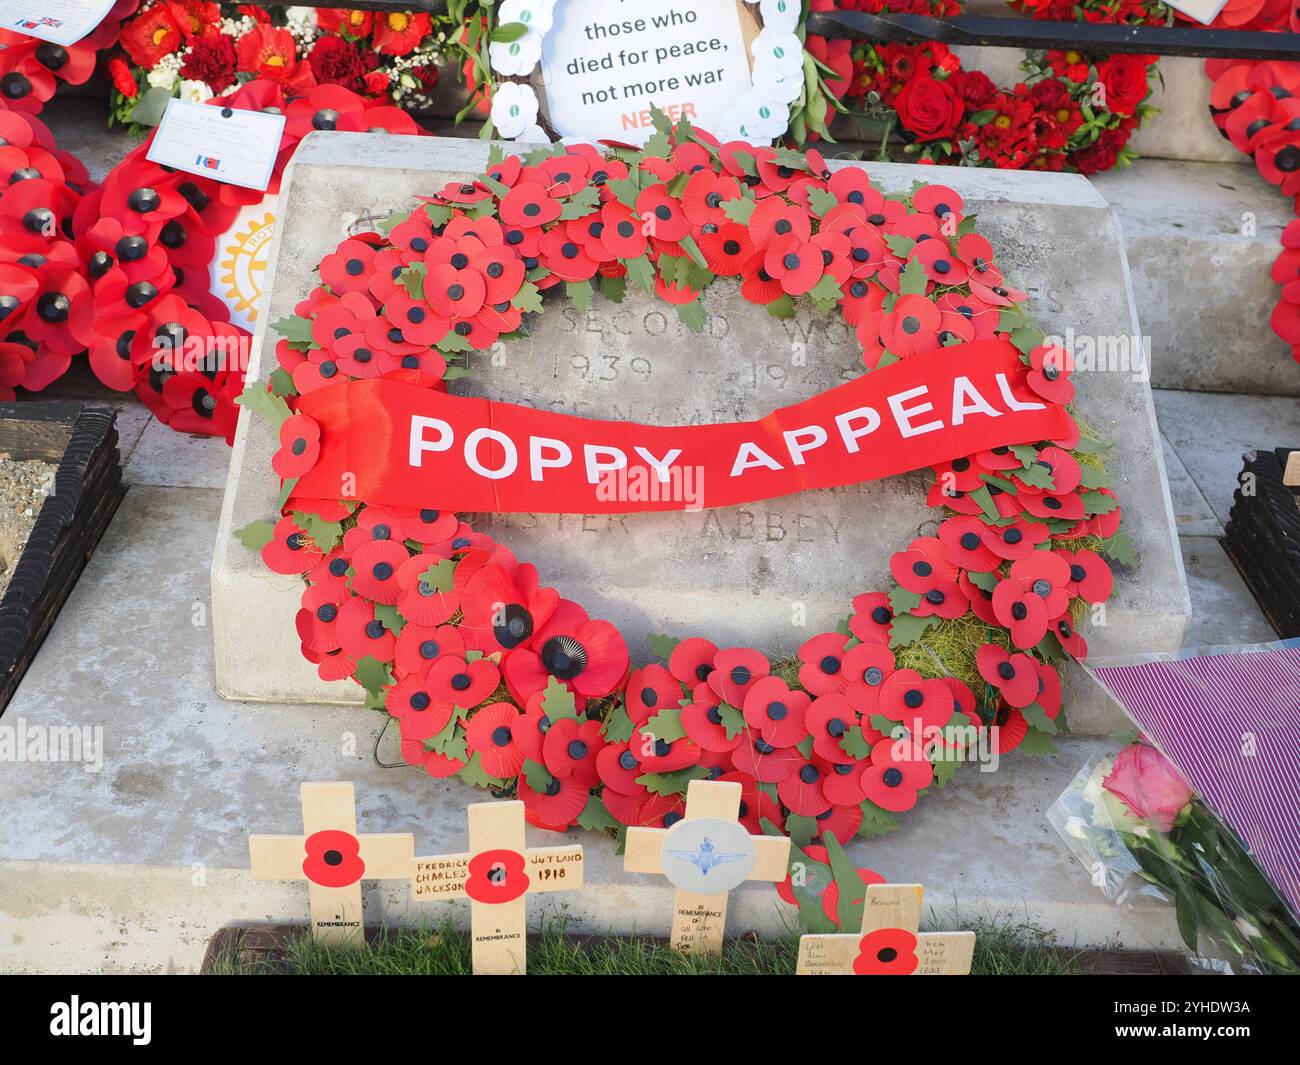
pixel 1073 110
pixel 502 45
pixel 493 677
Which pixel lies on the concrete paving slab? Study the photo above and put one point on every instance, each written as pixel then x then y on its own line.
pixel 1193 515
pixel 1211 432
pixel 1223 609
pixel 167 458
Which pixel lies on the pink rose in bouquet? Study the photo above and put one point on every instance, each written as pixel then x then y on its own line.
pixel 1149 785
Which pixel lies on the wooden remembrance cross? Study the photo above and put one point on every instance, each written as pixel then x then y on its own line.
pixel 333 860
pixel 497 876
pixel 704 856
pixel 889 943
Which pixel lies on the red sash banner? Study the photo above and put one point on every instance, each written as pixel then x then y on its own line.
pixel 390 443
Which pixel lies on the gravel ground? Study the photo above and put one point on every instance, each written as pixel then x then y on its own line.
pixel 23 486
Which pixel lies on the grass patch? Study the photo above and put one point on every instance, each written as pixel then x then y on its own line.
pixel 445 951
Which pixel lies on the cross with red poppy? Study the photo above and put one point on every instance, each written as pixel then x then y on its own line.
pixel 705 855
pixel 889 943
pixel 332 858
pixel 497 876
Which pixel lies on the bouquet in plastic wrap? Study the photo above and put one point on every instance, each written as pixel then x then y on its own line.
pixel 1200 811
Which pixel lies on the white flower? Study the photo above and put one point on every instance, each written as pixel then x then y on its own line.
pixel 301 20
pixel 534 134
pixel 195 92
pixel 162 77
pixel 777 56
pixel 514 109
pixel 780 14
pixel 516 57
pixel 760 118
pixel 537 15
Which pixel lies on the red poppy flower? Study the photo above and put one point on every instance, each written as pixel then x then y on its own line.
pixel 704 195
pixel 1021 612
pixel 1049 373
pixel 1047 575
pixel 333 858
pixel 823 661
pixel 375 566
pixel 1089 578
pixel 557 805
pixel 886 952
pixel 489 734
pixel 1014 675
pixel 691 660
pixel 802 793
pixel 411 696
pixel 828 721
pixel 299 446
pixel 907 698
pixel 774 219
pixel 290 549
pixel 502 612
pixel 764 761
pixel 570 750
pixel 348 268
pixel 363 635
pixel 590 657
pixel 419 645
pixel 527 205
pixel 866 668
pixel 727 248
pixel 649 690
pixel 456 681
pixel 622 233
pixel 316 621
pixel 1014 541
pixel 776 711
pixel 941 266
pixel 619 767
pixel 796 264
pixel 267 51
pixel 736 670
pixel 911 326
pixel 663 216
pixel 895 775
pixel 964 546
pixel 872 617
pixel 658 755
pixel 703 722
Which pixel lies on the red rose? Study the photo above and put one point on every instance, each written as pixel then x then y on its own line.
pixel 376 82
pixel 1125 79
pixel 212 61
pixel 929 108
pixel 122 80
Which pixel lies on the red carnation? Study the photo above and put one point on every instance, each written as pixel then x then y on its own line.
pixel 122 80
pixel 335 61
pixel 973 86
pixel 929 108
pixel 212 61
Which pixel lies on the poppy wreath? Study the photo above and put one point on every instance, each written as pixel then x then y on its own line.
pixel 1256 105
pixel 122 272
pixel 43 294
pixel 1056 119
pixel 31 69
pixel 494 677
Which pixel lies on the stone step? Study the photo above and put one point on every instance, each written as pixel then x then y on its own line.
pixel 1201 240
pixel 133 866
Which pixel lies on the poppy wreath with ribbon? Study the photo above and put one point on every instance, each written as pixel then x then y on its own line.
pixel 494 677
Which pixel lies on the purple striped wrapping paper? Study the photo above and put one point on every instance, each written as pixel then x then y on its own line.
pixel 1230 721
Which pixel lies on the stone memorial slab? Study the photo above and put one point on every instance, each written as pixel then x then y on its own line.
pixel 768 574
